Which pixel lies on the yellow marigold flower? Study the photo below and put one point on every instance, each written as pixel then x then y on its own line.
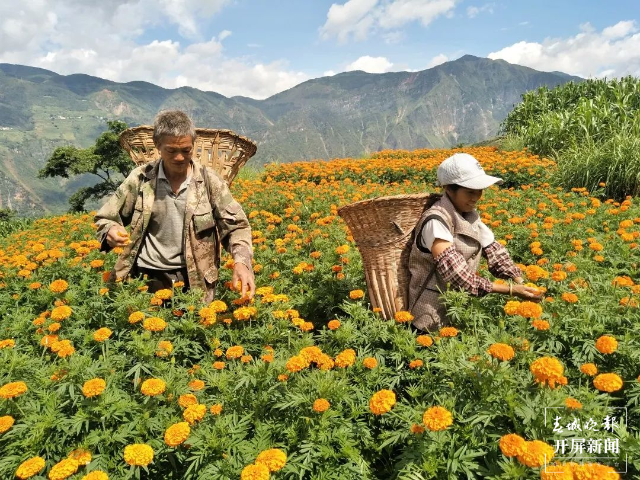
pixel 153 386
pixel 154 324
pixel 356 294
pixel 194 413
pixel 215 409
pixel 6 423
pixel 8 343
pixel 403 317
pixel 608 382
pixel 306 326
pixel 333 324
pixel 63 469
pixel 102 334
pixel 448 332
pixel 370 363
pixel 529 310
pixel 30 468
pixel 61 312
pixel 93 387
pixel 136 317
pixel 80 455
pixel 297 363
pixel 548 370
pixel 589 369
pixel 346 358
pixel 163 294
pixel 165 347
pixel 255 472
pixel 512 307
pixel 512 445
pixel 176 434
pixel 415 364
pixel 569 297
pixel 187 399
pixel 244 313
pixel 501 351
pixel 321 405
pixel 218 306
pixel 437 418
pixel 274 459
pixel 58 286
pixel 572 403
pixel 540 324
pixel 234 352
pixel 536 454
pixel 342 249
pixel 424 340
pixel 381 402
pixel 606 344
pixel 102 291
pixel 13 390
pixel 96 475
pixel 138 454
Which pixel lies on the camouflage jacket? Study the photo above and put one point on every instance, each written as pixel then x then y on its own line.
pixel 212 216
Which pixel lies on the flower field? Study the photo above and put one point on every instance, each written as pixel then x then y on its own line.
pixel 105 381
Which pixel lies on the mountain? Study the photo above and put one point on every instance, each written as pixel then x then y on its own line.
pixel 346 115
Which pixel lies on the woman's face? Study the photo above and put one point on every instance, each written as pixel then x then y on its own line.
pixel 464 199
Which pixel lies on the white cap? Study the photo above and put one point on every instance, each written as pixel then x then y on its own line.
pixel 464 170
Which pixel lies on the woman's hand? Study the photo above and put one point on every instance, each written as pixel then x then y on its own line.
pixel 526 293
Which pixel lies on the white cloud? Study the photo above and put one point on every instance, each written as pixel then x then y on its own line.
pixel 329 73
pixel 437 60
pixel 613 52
pixel 370 64
pixel 358 18
pixel 473 12
pixel 103 39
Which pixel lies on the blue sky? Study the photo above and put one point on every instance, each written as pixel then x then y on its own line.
pixel 258 48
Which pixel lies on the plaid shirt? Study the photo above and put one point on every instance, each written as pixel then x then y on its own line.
pixel 453 269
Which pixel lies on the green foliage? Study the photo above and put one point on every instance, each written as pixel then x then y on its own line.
pixel 9 222
pixel 106 159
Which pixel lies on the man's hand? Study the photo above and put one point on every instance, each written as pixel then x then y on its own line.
pixel 245 275
pixel 117 236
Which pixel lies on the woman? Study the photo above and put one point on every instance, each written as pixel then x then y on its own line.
pixel 449 243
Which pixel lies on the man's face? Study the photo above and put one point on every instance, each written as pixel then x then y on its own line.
pixel 176 152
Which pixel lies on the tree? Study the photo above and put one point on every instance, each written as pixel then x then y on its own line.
pixel 106 159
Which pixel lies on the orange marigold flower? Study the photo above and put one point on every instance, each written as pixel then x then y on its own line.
pixel 606 344
pixel 61 312
pixel 218 365
pixel 154 324
pixel 529 310
pixel 187 399
pixel 548 370
pixel 448 332
pixel 138 454
pixel 255 472
pixel 589 369
pixel 540 324
pixel 96 263
pixel 216 409
pixel 80 455
pixel 333 324
pixel 342 249
pixel 572 403
pixel 136 317
pixel 622 281
pixel 35 285
pixel 8 343
pixel 536 454
pixel 370 363
pixel 13 389
pixel 165 347
pixel 403 317
pixel 234 352
pixel 297 363
pixel 93 387
pixel 30 468
pixel 58 286
pixel 346 358
pixel 153 386
pixel 176 434
pixel 356 294
pixel 6 422
pixel 512 445
pixel 569 297
pixel 194 413
pixel 501 351
pixel 274 459
pixel 437 418
pixel 63 469
pixel 512 307
pixel 321 405
pixel 163 294
pixel 557 472
pixel 381 402
pixel 594 471
pixel 558 276
pixel 608 382
pixel 415 364
pixel 283 377
pixel 96 475
pixel 424 340
pixel 218 306
pixel 102 334
pixel 416 429
pixel 197 384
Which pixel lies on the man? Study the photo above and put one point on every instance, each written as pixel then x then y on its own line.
pixel 179 213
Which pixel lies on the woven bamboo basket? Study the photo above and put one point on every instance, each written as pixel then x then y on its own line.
pixel 223 150
pixel 383 231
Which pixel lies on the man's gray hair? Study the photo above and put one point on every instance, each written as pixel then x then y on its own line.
pixel 172 123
